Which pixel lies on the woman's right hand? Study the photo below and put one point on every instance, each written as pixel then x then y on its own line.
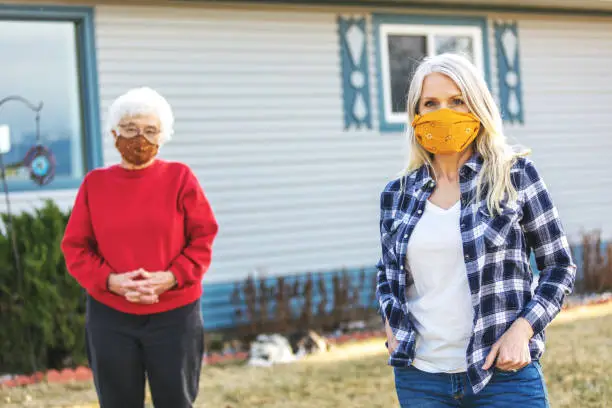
pixel 392 342
pixel 122 283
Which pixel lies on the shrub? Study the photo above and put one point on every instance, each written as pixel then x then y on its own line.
pixel 595 270
pixel 42 308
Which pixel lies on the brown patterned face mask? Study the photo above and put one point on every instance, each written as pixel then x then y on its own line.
pixel 136 150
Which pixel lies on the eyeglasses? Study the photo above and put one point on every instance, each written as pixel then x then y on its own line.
pixel 129 131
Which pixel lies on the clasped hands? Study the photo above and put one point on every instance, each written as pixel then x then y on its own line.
pixel 141 286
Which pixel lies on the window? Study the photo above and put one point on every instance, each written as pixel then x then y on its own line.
pixel 403 41
pixel 49 58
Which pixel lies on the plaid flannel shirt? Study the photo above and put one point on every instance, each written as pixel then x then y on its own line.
pixel 497 252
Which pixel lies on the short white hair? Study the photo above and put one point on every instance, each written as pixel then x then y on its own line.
pixel 142 101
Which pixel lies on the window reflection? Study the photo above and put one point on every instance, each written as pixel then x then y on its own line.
pixel 461 45
pixel 40 63
pixel 405 54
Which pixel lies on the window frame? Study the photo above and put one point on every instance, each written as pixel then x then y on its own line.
pixel 427 26
pixel 83 19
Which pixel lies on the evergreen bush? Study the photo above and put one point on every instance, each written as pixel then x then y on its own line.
pixel 42 308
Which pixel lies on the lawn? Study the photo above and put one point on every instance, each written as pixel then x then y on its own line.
pixel 577 366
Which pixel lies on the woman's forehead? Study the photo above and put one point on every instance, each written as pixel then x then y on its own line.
pixel 437 84
pixel 141 120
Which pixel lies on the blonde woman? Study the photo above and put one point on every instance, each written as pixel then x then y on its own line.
pixel 457 229
pixel 139 240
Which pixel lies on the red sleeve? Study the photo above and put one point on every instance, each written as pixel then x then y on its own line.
pixel 200 230
pixel 80 247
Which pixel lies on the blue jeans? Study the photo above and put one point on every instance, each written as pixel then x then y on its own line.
pixel 524 388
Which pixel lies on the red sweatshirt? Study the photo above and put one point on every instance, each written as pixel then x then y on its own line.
pixel 156 218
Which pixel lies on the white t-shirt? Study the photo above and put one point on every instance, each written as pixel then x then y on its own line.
pixel 440 299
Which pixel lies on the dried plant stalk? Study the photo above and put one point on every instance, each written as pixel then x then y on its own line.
pixel 285 306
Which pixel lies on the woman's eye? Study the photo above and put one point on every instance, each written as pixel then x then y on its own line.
pixel 457 101
pixel 429 104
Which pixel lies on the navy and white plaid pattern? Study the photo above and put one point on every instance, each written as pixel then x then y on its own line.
pixel 496 249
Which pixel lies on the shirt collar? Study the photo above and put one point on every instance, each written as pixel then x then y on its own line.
pixel 475 162
pixel 424 180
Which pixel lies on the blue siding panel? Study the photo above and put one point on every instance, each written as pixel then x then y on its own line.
pixel 219 312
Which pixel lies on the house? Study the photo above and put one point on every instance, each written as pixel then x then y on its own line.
pixel 291 112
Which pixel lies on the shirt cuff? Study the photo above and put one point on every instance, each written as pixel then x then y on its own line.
pixel 384 313
pixel 177 277
pixel 101 282
pixel 536 315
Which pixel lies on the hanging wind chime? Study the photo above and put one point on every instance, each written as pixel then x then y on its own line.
pixel 39 161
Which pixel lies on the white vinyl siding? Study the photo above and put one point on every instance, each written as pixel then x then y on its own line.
pixel 567 94
pixel 258 104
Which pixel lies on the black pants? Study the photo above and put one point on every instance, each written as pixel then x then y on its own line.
pixel 166 347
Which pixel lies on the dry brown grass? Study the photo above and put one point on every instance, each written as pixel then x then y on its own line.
pixel 577 366
pixel 578 363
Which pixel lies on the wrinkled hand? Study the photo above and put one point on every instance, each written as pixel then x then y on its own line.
pixel 512 348
pixel 392 342
pixel 120 283
pixel 148 289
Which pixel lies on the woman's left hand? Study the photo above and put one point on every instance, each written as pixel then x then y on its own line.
pixel 148 290
pixel 512 348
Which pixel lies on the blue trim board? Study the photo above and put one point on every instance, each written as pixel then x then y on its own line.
pixel 219 312
pixel 83 17
pixel 509 72
pixel 408 19
pixel 355 74
pixel 578 255
pixel 90 91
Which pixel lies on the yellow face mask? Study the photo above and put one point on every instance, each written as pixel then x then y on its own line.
pixel 445 131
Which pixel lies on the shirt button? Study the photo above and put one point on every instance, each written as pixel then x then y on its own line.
pixel 462 226
pixel 405 235
pixel 467 257
pixel 421 211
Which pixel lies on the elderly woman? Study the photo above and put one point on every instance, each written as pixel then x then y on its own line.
pixel 139 240
pixel 457 230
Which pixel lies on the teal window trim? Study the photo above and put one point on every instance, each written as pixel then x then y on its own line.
pixel 378 20
pixel 83 18
pixel 353 43
pixel 509 72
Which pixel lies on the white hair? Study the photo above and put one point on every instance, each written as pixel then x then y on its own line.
pixel 491 143
pixel 142 101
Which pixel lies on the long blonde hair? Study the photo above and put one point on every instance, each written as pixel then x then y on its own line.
pixel 491 143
